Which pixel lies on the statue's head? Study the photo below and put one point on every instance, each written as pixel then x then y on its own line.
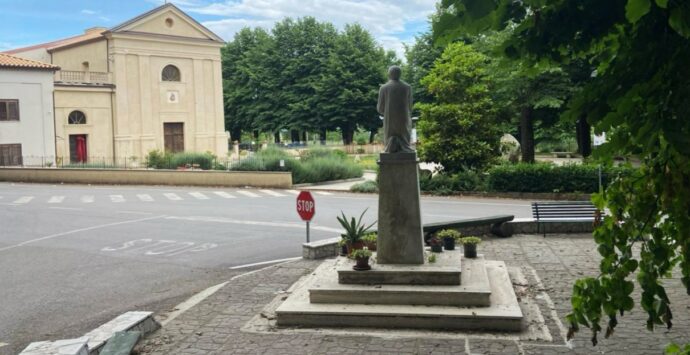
pixel 394 72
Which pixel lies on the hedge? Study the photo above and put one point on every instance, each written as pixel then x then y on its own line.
pixel 542 177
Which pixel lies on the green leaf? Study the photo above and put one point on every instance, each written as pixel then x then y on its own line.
pixel 635 9
pixel 680 21
pixel 662 3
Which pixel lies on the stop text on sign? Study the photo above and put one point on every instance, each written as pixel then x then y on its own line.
pixel 306 207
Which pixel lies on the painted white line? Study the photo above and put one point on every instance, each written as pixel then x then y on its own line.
pixel 199 195
pixel 135 212
pixel 224 194
pixel 254 223
pixel 264 263
pixel 117 198
pixel 25 199
pixel 173 197
pixel 552 308
pixel 325 193
pixel 77 231
pixel 145 197
pixel 247 193
pixel 88 199
pixel 67 208
pixel 272 193
pixel 191 302
pixel 294 192
pixel 56 199
pixel 3 344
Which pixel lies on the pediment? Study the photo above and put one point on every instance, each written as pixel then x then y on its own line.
pixel 167 20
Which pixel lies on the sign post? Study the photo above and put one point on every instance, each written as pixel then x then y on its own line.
pixel 306 208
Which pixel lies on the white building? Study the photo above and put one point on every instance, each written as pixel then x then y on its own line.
pixel 27 132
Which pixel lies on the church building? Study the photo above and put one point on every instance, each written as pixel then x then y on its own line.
pixel 153 82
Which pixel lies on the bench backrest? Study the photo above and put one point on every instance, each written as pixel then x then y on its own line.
pixel 563 210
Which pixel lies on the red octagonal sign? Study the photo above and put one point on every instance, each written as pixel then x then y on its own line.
pixel 306 206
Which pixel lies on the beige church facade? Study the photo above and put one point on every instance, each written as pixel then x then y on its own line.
pixel 153 82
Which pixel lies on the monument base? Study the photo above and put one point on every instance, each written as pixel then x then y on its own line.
pixel 400 236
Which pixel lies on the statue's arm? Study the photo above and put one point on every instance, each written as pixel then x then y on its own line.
pixel 381 106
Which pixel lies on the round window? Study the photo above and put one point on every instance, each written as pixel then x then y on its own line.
pixel 76 117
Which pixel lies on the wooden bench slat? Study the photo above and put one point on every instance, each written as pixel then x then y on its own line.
pixel 550 212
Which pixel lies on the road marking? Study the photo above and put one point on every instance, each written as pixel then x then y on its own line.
pixel 325 193
pixel 87 199
pixel 145 197
pixel 66 208
pixel 224 194
pixel 117 198
pixel 56 199
pixel 78 231
pixel 173 197
pixel 247 193
pixel 199 195
pixel 264 263
pixel 135 212
pixel 294 192
pixel 3 344
pixel 272 193
pixel 254 223
pixel 25 199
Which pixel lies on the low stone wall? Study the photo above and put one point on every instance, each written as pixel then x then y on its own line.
pixel 148 177
pixel 329 247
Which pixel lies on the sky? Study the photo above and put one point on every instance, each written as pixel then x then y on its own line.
pixel 392 22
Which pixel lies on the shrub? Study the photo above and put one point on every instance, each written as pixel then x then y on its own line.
pixel 449 233
pixel 319 152
pixel 470 240
pixel 542 177
pixel 444 184
pixel 204 160
pixel 368 186
pixel 158 160
pixel 326 169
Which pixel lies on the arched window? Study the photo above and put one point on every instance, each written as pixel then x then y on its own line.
pixel 170 73
pixel 76 117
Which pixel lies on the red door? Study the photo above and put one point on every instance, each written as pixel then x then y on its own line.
pixel 77 147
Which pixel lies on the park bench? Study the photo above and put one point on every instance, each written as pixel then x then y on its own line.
pixel 498 224
pixel 566 211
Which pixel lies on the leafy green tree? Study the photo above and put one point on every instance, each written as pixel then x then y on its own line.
pixel 638 95
pixel 458 130
pixel 419 58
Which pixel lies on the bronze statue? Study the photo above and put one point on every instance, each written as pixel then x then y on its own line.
pixel 395 104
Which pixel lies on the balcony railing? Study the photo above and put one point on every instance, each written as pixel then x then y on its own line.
pixel 82 77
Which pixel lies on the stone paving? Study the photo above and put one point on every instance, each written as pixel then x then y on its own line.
pixel 549 266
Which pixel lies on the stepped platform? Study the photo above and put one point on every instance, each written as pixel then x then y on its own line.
pixel 319 301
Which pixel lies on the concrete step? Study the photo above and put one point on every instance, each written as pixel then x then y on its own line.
pixel 503 314
pixel 130 321
pixel 473 291
pixel 76 346
pixel 445 271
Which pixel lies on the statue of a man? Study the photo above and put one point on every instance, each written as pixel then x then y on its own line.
pixel 395 104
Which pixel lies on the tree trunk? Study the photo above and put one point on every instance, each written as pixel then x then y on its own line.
pixel 347 134
pixel 322 136
pixel 584 136
pixel 294 136
pixel 256 136
pixel 527 135
pixel 276 137
pixel 304 137
pixel 372 135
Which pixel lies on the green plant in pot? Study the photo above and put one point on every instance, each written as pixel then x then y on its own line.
pixel 361 257
pixel 342 243
pixel 354 231
pixel 448 236
pixel 469 246
pixel 436 245
pixel 370 241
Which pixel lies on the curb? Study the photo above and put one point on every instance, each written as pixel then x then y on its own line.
pixel 328 182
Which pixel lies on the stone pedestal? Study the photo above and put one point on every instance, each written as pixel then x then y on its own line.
pixel 400 237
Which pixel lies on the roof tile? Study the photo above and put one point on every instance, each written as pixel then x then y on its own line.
pixel 10 61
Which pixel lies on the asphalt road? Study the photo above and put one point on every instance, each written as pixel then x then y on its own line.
pixel 75 256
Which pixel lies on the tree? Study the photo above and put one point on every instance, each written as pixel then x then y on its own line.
pixel 420 57
pixel 458 130
pixel 638 96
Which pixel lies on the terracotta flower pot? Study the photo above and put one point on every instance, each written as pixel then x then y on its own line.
pixel 354 246
pixel 362 264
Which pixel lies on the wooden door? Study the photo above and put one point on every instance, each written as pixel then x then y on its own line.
pixel 174 136
pixel 10 154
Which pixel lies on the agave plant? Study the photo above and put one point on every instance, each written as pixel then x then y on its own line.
pixel 354 229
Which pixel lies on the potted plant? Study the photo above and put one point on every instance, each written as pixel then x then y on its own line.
pixel 469 246
pixel 370 241
pixel 342 243
pixel 448 236
pixel 436 245
pixel 361 256
pixel 354 231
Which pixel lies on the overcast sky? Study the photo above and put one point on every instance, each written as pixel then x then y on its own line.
pixel 392 22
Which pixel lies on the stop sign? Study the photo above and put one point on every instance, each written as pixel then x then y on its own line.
pixel 305 206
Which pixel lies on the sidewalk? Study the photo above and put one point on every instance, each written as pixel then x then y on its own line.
pixel 234 320
pixel 341 186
